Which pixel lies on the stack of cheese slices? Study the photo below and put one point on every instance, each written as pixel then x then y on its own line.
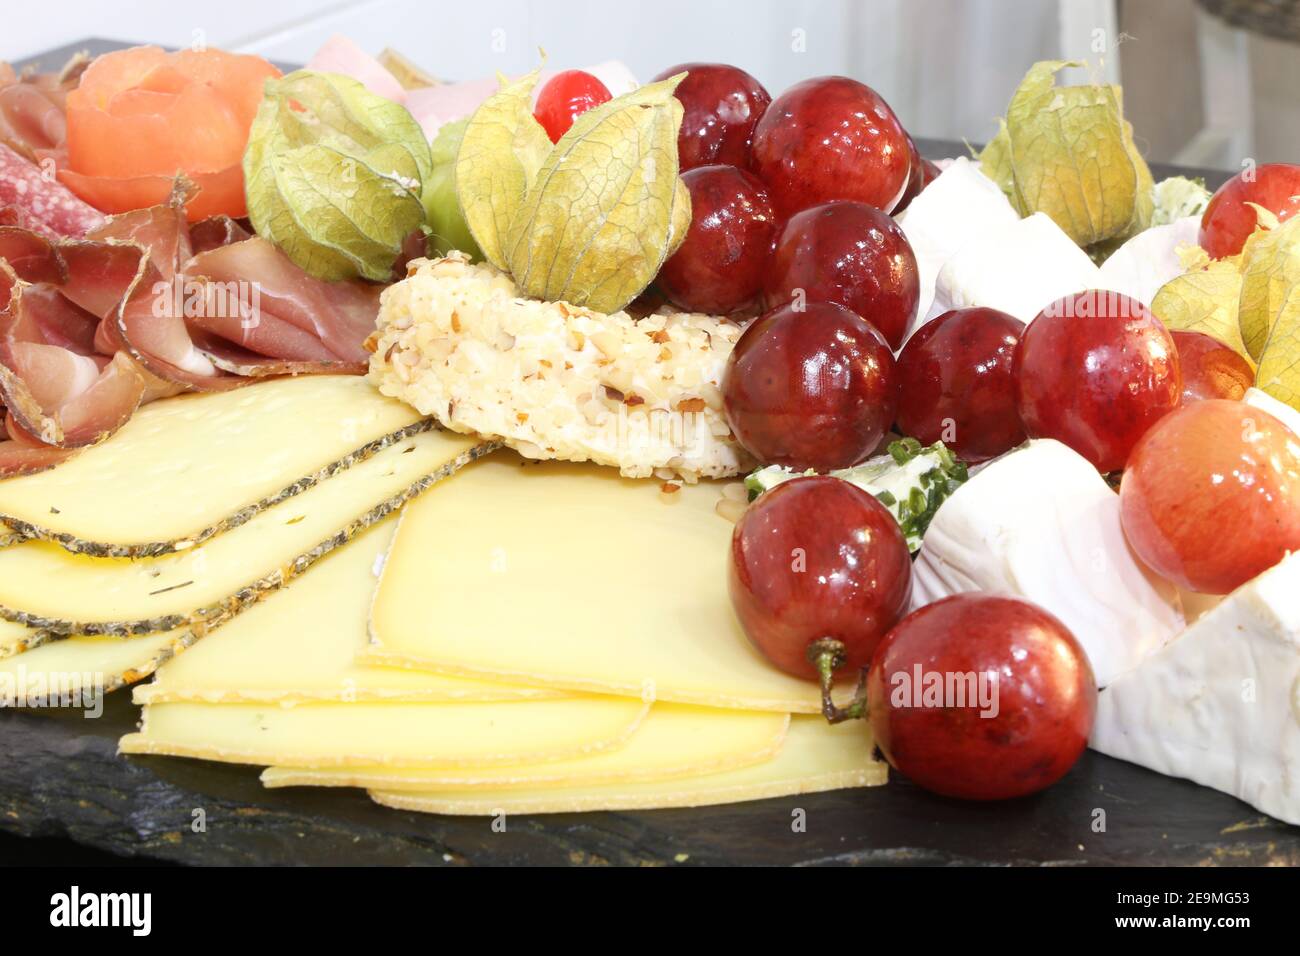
pixel 385 605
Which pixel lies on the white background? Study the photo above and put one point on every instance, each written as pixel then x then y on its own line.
pixel 948 67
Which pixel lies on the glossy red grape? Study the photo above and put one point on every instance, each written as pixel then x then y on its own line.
pixel 831 138
pixel 851 254
pixel 929 173
pixel 722 104
pixel 1095 370
pixel 817 557
pixel 1227 220
pixel 810 389
pixel 720 265
pixel 1020 735
pixel 916 180
pixel 564 98
pixel 1211 495
pixel 955 383
pixel 1210 369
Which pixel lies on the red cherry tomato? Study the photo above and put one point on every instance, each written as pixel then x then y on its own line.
pixel 566 97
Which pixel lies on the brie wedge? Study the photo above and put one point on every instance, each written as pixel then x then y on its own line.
pixel 1150 259
pixel 1018 267
pixel 1220 705
pixel 960 205
pixel 1043 525
pixel 1279 409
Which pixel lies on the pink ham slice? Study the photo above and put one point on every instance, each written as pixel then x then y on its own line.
pixel 299 318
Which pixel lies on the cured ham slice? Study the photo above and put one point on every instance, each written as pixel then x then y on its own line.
pixel 215 232
pixel 299 318
pixel 143 305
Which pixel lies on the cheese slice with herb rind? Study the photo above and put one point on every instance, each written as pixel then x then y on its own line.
pixel 186 468
pixel 300 644
pixel 675 740
pixel 43 586
pixel 364 734
pixel 815 757
pixel 613 587
pixel 85 665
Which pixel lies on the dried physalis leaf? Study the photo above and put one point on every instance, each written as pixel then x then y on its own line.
pixel 501 151
pixel 333 175
pixel 1067 151
pixel 1270 308
pixel 603 211
pixel 1205 300
pixel 1272 267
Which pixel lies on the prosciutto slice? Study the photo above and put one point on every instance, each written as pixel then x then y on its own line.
pixel 101 314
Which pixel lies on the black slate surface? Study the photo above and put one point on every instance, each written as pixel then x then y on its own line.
pixel 62 778
pixel 63 786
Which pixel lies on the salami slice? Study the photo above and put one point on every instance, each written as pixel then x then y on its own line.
pixel 40 202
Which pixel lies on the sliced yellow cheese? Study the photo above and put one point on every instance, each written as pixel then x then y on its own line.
pixel 364 734
pixel 41 585
pixel 185 467
pixel 569 576
pixel 675 740
pixel 814 757
pixel 15 638
pixel 300 644
pixel 86 664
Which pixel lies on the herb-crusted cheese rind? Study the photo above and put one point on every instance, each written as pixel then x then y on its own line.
pixel 551 380
pixel 194 466
pixel 44 587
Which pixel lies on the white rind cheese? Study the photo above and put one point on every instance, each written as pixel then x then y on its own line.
pixel 961 205
pixel 1150 259
pixel 1018 268
pixel 1042 524
pixel 1221 704
pixel 1280 410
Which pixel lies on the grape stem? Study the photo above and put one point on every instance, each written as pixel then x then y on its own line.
pixel 827 655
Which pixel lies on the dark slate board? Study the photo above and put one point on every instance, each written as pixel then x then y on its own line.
pixel 63 782
pixel 62 778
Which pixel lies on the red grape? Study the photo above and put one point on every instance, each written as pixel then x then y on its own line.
pixel 810 389
pixel 851 254
pixel 817 557
pixel 1227 220
pixel 719 267
pixel 955 383
pixel 722 104
pixel 1019 736
pixel 1211 495
pixel 831 138
pixel 1095 370
pixel 916 180
pixel 929 173
pixel 1210 369
pixel 564 98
